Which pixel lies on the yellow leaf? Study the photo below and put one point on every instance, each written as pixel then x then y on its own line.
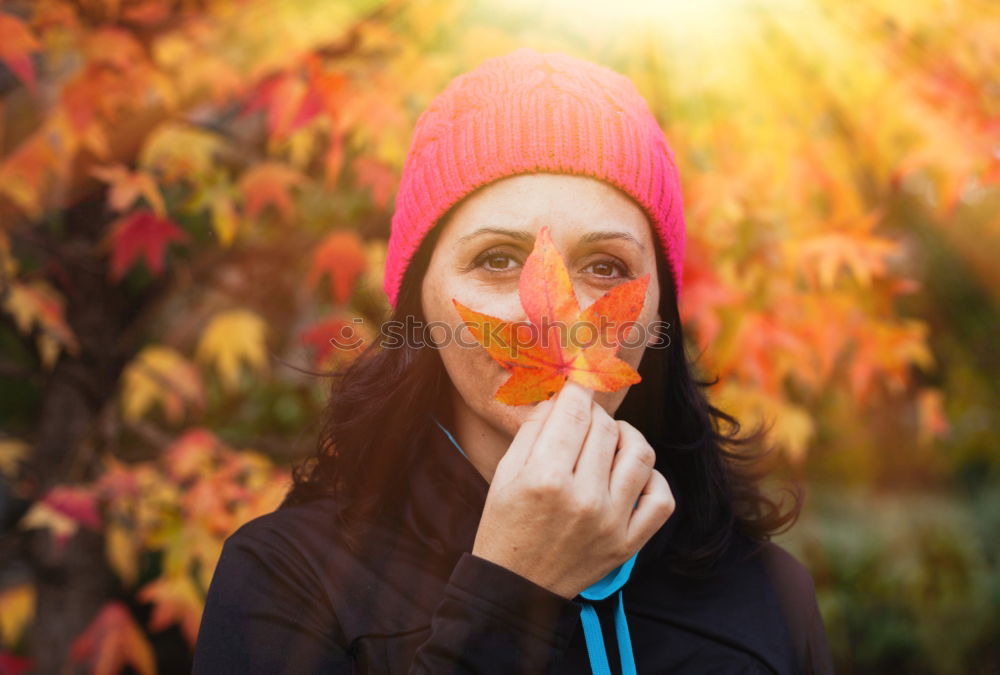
pixel 12 453
pixel 43 516
pixel 225 221
pixel 232 339
pixel 161 375
pixel 179 151
pixel 121 548
pixel 37 304
pixel 17 609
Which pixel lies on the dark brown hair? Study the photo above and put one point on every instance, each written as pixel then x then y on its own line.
pixel 377 419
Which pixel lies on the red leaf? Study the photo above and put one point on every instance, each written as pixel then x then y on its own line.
pixel 79 503
pixel 335 333
pixel 141 233
pixel 14 665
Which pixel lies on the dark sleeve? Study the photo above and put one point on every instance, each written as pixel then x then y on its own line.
pixel 264 614
pixel 493 620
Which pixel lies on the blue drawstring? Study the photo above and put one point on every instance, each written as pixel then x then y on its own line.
pixel 611 583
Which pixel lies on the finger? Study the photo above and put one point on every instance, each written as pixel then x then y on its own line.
pixel 558 444
pixel 593 468
pixel 630 470
pixel 656 506
pixel 526 435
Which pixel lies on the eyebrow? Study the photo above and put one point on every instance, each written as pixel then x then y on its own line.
pixel 527 237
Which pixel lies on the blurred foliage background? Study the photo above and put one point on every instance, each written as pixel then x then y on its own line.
pixel 195 196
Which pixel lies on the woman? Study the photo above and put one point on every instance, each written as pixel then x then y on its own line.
pixel 438 530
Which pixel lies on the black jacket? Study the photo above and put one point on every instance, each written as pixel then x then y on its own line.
pixel 287 597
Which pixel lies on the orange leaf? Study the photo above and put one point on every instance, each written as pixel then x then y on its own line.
pixel 175 600
pixel 378 177
pixel 128 186
pixel 341 255
pixel 560 341
pixel 270 184
pixel 141 233
pixel 16 45
pixel 112 641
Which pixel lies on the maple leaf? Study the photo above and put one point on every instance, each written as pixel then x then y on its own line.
pixel 289 102
pixel 231 338
pixel 140 233
pixel 16 44
pixel 175 600
pixel 12 453
pixel 561 342
pixel 11 664
pixel 270 183
pixel 342 256
pixel 61 511
pixel 175 151
pixel 378 177
pixel 37 304
pixel 128 186
pixel 112 641
pixel 335 338
pixel 17 609
pixel 191 455
pixel 161 375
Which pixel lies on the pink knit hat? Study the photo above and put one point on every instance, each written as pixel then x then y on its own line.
pixel 532 112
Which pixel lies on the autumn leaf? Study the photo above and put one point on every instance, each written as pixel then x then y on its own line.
pixel 140 234
pixel 16 44
pixel 342 257
pixel 112 641
pixel 231 339
pixel 335 339
pixel 11 664
pixel 127 186
pixel 288 101
pixel 560 341
pixel 12 453
pixel 179 151
pixel 17 609
pixel 175 600
pixel 62 510
pixel 271 184
pixel 161 376
pixel 37 304
pixel 378 177
pixel 191 455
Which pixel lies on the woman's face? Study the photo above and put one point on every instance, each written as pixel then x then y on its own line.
pixel 603 236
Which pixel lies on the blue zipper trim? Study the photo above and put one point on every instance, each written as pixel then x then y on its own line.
pixel 611 583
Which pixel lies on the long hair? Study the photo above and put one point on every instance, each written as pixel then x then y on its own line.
pixel 377 420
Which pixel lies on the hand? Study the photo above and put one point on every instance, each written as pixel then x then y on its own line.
pixel 561 509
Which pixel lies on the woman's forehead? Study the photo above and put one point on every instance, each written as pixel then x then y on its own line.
pixel 571 205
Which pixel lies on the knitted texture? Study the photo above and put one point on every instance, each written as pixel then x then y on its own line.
pixel 534 112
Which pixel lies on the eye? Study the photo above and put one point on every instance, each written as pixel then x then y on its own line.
pixel 495 260
pixel 608 268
